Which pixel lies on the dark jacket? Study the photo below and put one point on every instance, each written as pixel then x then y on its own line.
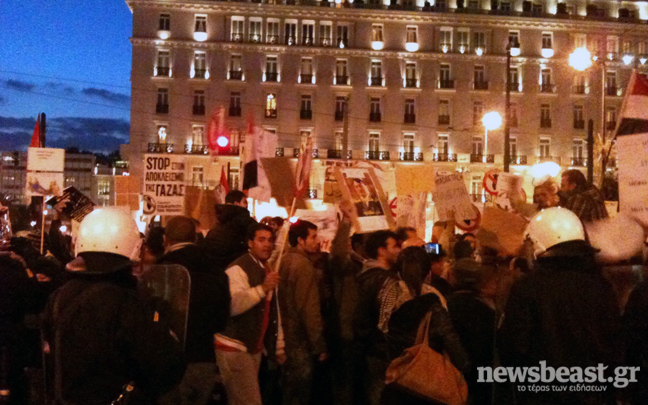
pixel 209 302
pixel 227 241
pixel 108 340
pixel 636 337
pixel 586 202
pixel 564 313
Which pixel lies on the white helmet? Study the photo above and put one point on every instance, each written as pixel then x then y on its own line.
pixel 552 226
pixel 110 230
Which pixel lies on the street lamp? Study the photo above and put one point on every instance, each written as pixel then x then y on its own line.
pixel 512 49
pixel 491 120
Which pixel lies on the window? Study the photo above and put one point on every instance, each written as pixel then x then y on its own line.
pixel 445 81
pixel 326 33
pixel 473 4
pixel 479 78
pixel 579 83
pixel 200 24
pixel 376 78
pixel 342 35
pixel 338 140
pixel 163 61
pixel 306 71
pixel 463 40
pixel 304 134
pixel 479 41
pixel 612 45
pixel 236 68
pixel 545 116
pixel 547 40
pixel 545 147
pixel 308 33
pixel 162 131
pixel 199 102
pixel 580 41
pixel 197 135
pixel 271 73
pixel 271 106
pixel 513 148
pixel 255 32
pixel 514 116
pixel 546 84
pixel 306 111
pixel 410 74
pixel 610 118
pixel 627 47
pixel 514 79
pixel 514 38
pixel 238 29
pixel 412 34
pixel 537 8
pixel 340 103
pixel 272 31
pixel 165 22
pixel 477 145
pixel 200 65
pixel 341 74
pixel 290 32
pixel 478 113
pixel 611 83
pixel 505 6
pixel 408 144
pixel 374 142
pixel 197 175
pixel 579 118
pixel 410 111
pixel 377 33
pixel 442 144
pixel 235 104
pixel 642 47
pixel 162 106
pixel 445 43
pixel 578 148
pixel 375 113
pixel 444 112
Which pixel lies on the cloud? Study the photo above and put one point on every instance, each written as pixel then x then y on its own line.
pixel 3 100
pixel 60 87
pixel 93 134
pixel 19 85
pixel 106 95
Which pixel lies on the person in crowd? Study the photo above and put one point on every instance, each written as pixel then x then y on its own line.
pixel 382 250
pixel 545 195
pixel 405 302
pixel 472 309
pixel 404 233
pixel 463 250
pixel 254 324
pixel 564 312
pixel 470 238
pixel 226 241
pixel 438 270
pixel 299 301
pixel 636 339
pixel 153 246
pixel 273 222
pixel 100 337
pixel 346 262
pixel 584 199
pixel 209 307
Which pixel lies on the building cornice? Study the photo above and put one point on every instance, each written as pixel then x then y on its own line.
pixel 374 15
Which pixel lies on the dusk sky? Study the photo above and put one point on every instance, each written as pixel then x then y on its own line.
pixel 72 60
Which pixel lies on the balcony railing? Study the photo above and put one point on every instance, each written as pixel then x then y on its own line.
pixel 481 85
pixel 271 76
pixel 314 153
pixel 237 37
pixel 236 75
pixel 162 71
pixel 376 81
pixel 579 89
pixel 326 42
pixel 555 159
pixel 514 87
pixel 611 91
pixel 196 149
pixel 578 161
pixel 446 84
pixel 339 115
pixel 255 38
pixel 411 156
pixel 337 154
pixel 271 113
pixel 481 198
pixel 308 41
pixel 518 159
pixel 199 73
pixel 545 122
pixel 312 193
pixel 411 83
pixel 199 110
pixel 162 108
pixel 290 40
pixel 547 88
pixel 341 80
pixel 306 78
pixel 160 148
pixel 444 120
pixel 235 111
pixel 272 39
pixel 306 114
pixel 279 152
pixel 480 158
pixel 579 124
pixel 445 157
pixel 375 116
pixel 409 118
pixel 343 42
pixel 377 155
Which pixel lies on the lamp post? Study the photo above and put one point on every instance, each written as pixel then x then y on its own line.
pixel 511 47
pixel 491 120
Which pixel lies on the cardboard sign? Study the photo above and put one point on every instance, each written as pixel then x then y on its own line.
pixel 410 211
pixel 412 179
pixel 127 191
pixel 332 191
pixel 507 184
pixel 451 196
pixel 72 203
pixel 280 173
pixel 326 221
pixel 633 176
pixel 164 185
pixel 502 230
pixel 199 205
pixel 45 159
pixel 44 183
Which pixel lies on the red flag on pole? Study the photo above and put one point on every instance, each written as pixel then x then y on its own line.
pixel 35 140
pixel 216 129
pixel 223 181
pixel 302 173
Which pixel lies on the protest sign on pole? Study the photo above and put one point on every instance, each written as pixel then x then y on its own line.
pixel 451 196
pixel 72 203
pixel 45 171
pixel 164 185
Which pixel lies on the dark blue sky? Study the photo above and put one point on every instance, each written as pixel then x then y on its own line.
pixel 70 59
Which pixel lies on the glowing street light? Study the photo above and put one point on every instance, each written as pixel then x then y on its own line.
pixel 491 120
pixel 580 59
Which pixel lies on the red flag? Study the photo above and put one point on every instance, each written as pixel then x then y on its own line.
pixel 223 181
pixel 216 129
pixel 35 140
pixel 302 173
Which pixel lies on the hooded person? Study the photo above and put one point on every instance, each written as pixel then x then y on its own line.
pixel 99 335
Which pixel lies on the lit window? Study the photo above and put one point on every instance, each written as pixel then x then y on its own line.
pixel 547 45
pixel 377 37
pixel 272 32
pixel 308 33
pixel 255 32
pixel 326 33
pixel 163 62
pixel 200 28
pixel 238 29
pixel 545 147
pixel 200 66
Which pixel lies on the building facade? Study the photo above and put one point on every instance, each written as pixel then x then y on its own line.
pixel 410 80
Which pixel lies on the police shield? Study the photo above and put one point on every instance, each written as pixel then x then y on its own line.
pixel 167 289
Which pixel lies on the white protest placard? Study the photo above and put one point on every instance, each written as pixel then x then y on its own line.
pixel 45 159
pixel 633 176
pixel 326 221
pixel 507 184
pixel 44 183
pixel 164 185
pixel 451 195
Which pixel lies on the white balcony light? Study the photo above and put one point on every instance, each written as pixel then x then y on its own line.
pixel 190 144
pixel 462 48
pixel 610 56
pixel 412 46
pixel 401 150
pixel 445 48
pixel 377 45
pixel 341 44
pixel 541 171
pixel 479 51
pixel 515 51
pixel 547 52
pixel 200 36
pixel 595 58
pixel 164 34
pixel 417 150
pixel 207 74
pixel 643 60
pixel 580 59
pixel 627 59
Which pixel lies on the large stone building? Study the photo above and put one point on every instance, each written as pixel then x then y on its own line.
pixel 416 77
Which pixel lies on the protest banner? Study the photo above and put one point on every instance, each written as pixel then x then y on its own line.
pixel 164 185
pixel 326 221
pixel 280 173
pixel 199 205
pixel 127 191
pixel 410 211
pixel 507 185
pixel 412 179
pixel 502 230
pixel 44 183
pixel 45 159
pixel 45 171
pixel 451 196
pixel 72 203
pixel 361 187
pixel 332 191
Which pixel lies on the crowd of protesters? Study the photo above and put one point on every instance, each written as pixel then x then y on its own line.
pixel 273 319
